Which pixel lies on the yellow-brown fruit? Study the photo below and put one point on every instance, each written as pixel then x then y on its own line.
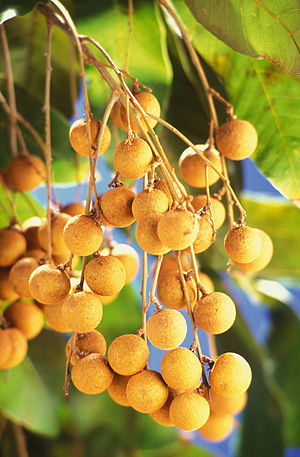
pixel 19 347
pixel 243 244
pixel 34 253
pixel 215 313
pixel 82 311
pixel 116 117
pixel 189 411
pixel 92 374
pixel 12 246
pixel 146 391
pixel 147 237
pixel 181 369
pixel 7 291
pixel 83 235
pixel 105 275
pixel 25 316
pixel 217 427
pixel 128 354
pixel 170 292
pixel 231 375
pixel 73 209
pixel 236 139
pixel 264 257
pixel 5 345
pixel 58 222
pixel 132 158
pixel 86 343
pixel 128 256
pixel 170 263
pixel 116 206
pixel 227 405
pixel 161 185
pixel 20 273
pixel 177 229
pixel 79 140
pixel 192 167
pixel 150 105
pixel 30 231
pixel 162 415
pixel 60 259
pixel 117 389
pixel 149 201
pixel 25 172
pixel 217 209
pixel 49 285
pixel 53 316
pixel 205 235
pixel 166 329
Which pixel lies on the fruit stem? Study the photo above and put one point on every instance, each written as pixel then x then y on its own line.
pixel 14 218
pixel 212 346
pixel 229 107
pixel 144 281
pixel 68 363
pixel 208 202
pixel 230 212
pixel 152 298
pixel 195 269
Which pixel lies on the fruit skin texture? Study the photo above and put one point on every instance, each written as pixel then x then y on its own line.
pixel 105 275
pixel 82 311
pixel 217 427
pixel 160 184
pixel 117 389
pixel 53 316
pixel 170 293
pixel 58 222
pixel 206 282
pixel 162 415
pixel 25 316
pixel 236 139
pixel 25 172
pixel 205 235
pixel 73 209
pixel 30 231
pixel 181 369
pixel 92 374
pixel 92 342
pixel 12 246
pixel 127 256
pixel 169 263
pixel 116 206
pixel 128 354
pixel 192 167
pixel 217 209
pixel 132 158
pixel 49 285
pixel 149 201
pixel 79 141
pixel 177 229
pixel 189 411
pixel 6 347
pixel 83 235
pixel 231 375
pixel 146 391
pixel 166 329
pixel 147 237
pixel 215 313
pixel 243 244
pixel 6 289
pixel 150 105
pixel 19 348
pixel 263 258
pixel 20 273
pixel 227 405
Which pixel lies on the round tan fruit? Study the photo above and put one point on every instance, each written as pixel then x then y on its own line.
pixel 116 117
pixel 170 292
pixel 92 374
pixel 166 329
pixel 205 235
pixel 189 411
pixel 181 369
pixel 25 316
pixel 132 158
pixel 128 354
pixel 162 415
pixel 217 427
pixel 147 237
pixel 236 139
pixel 215 313
pixel 92 342
pixel 49 285
pixel 150 105
pixel 60 259
pixel 160 184
pixel 20 273
pixel 149 201
pixel 263 258
pixel 58 222
pixel 6 347
pixel 169 263
pixel 231 375
pixel 53 316
pixel 73 209
pixel 79 140
pixel 7 291
pixel 34 253
pixel 116 206
pixel 83 235
pixel 177 229
pixel 146 391
pixel 128 256
pixel 243 244
pixel 25 172
pixel 192 167
pixel 217 209
pixel 19 349
pixel 12 246
pixel 30 231
pixel 105 275
pixel 227 405
pixel 206 282
pixel 82 311
pixel 117 389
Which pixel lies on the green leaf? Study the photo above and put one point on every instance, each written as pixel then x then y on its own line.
pixel 9 8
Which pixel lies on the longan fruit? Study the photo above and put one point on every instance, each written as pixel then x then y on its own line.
pixel 19 347
pixel 206 282
pixel 92 374
pixel 5 345
pixel 83 235
pixel 132 158
pixel 169 263
pixel 20 273
pixel 231 375
pixel 177 229
pixel 116 118
pixel 147 237
pixel 53 316
pixel 116 206
pixel 128 354
pixel 73 209
pixel 150 105
pixel 12 246
pixel 170 292
pixel 58 222
pixel 127 256
pixel 189 411
pixel 217 209
pixel 7 292
pixel 149 201
pixel 79 141
pixel 105 275
pixel 215 313
pixel 264 257
pixel 192 166
pixel 217 427
pixel 243 244
pixel 49 285
pixel 25 173
pixel 82 311
pixel 236 139
pixel 60 259
pixel 166 329
pixel 92 342
pixel 162 415
pixel 34 253
pixel 181 369
pixel 160 184
pixel 25 316
pixel 30 231
pixel 227 405
pixel 117 389
pixel 205 235
pixel 146 391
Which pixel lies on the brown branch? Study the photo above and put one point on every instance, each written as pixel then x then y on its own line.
pixel 20 440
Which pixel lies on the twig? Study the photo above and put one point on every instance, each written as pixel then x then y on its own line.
pixel 152 298
pixel 68 363
pixel 208 202
pixel 212 346
pixel 196 273
pixel 144 283
pixel 20 440
pixel 230 212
